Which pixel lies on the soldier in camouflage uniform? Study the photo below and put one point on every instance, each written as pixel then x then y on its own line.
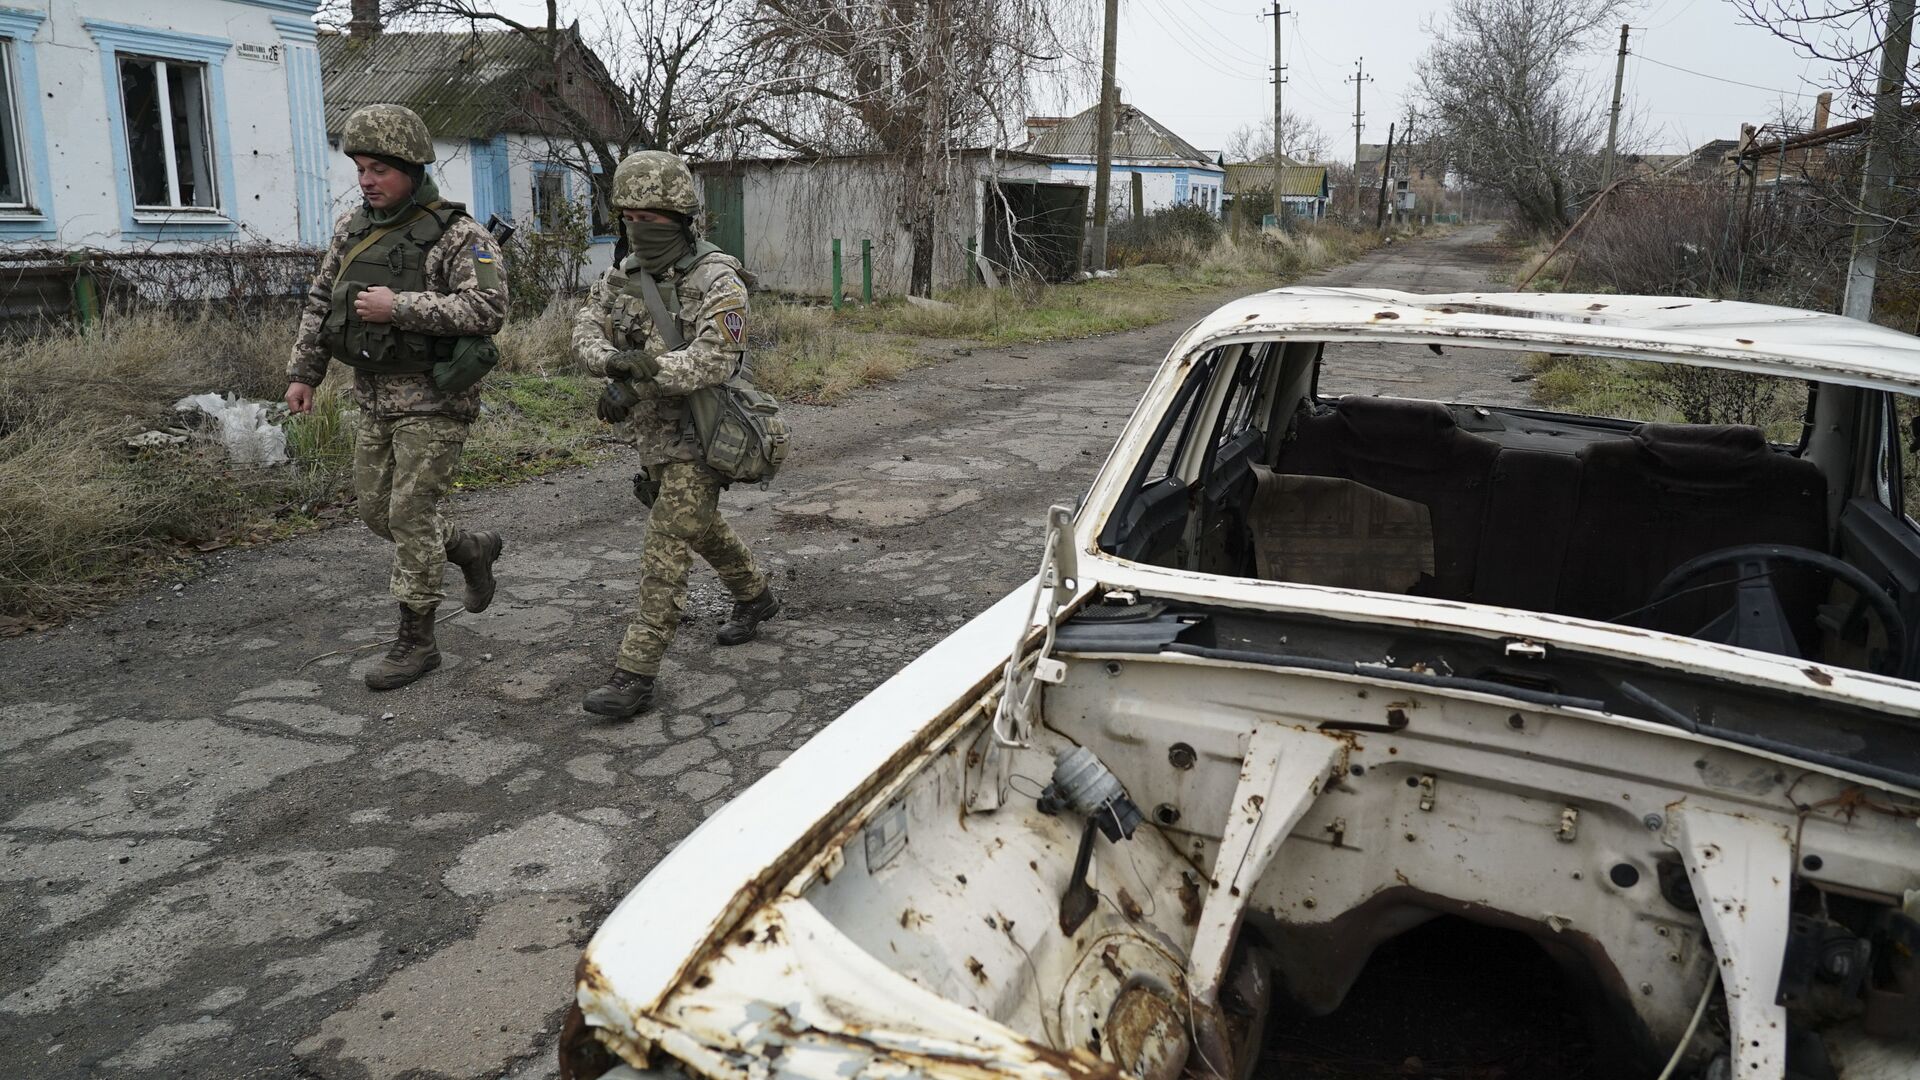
pixel 701 289
pixel 408 286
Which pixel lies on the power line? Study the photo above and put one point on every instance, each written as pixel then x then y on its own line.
pixel 1193 36
pixel 1217 63
pixel 1717 78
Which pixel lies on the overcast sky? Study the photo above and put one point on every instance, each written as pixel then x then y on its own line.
pixel 1201 67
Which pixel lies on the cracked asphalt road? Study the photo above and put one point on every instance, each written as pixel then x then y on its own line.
pixel 220 855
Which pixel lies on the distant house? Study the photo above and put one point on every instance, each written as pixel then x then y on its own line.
pixel 128 127
pixel 1708 161
pixel 1172 171
pixel 497 144
pixel 1304 191
pixel 780 216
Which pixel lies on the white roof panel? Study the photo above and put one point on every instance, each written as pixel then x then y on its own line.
pixel 1719 333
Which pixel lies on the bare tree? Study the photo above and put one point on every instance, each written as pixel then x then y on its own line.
pixel 1500 91
pixel 915 81
pixel 679 75
pixel 1306 140
pixel 1800 240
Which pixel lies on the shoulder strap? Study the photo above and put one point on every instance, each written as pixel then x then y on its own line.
pixel 373 238
pixel 667 325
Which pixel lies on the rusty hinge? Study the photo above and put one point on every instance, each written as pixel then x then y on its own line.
pixel 1426 792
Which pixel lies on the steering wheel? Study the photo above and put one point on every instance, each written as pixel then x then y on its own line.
pixel 1757 619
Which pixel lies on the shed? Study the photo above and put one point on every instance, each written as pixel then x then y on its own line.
pixel 780 217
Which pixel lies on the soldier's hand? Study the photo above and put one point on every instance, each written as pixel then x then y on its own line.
pixel 299 398
pixel 632 364
pixel 374 305
pixel 616 402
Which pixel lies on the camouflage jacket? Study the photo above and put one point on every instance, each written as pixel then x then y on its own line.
pixel 454 305
pixel 712 303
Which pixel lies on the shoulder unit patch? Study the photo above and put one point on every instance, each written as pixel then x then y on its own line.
pixel 733 325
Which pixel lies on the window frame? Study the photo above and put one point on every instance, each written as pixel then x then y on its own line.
pixel 170 147
pixel 537 206
pixel 595 208
pixel 187 223
pixel 32 218
pixel 13 132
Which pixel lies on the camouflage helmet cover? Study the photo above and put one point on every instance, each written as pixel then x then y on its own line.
pixel 388 131
pixel 654 180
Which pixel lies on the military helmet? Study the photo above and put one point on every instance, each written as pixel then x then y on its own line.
pixel 393 131
pixel 654 180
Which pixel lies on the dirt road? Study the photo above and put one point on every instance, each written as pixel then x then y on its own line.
pixel 223 856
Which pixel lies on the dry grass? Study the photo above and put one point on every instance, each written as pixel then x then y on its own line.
pixel 803 353
pixel 82 515
pixel 540 346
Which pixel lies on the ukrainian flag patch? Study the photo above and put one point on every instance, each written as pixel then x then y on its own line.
pixel 484 272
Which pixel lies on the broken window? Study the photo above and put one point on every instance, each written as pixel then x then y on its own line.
pixel 13 171
pixel 169 139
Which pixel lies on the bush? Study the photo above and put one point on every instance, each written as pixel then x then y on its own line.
pixel 544 264
pixel 1175 235
pixel 1664 240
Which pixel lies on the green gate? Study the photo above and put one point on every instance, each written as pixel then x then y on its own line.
pixel 726 224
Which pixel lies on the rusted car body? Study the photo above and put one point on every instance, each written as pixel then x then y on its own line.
pixel 1303 674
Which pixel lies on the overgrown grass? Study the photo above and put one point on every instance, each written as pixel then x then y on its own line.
pixel 1138 295
pixel 807 353
pixel 82 514
pixel 1670 393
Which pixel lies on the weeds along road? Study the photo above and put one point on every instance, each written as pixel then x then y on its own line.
pixel 225 857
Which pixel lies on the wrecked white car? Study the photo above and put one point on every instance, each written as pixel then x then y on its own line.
pixel 1343 729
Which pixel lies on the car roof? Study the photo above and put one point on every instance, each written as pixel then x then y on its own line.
pixel 1759 338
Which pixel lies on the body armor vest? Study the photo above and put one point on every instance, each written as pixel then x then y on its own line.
pixel 396 257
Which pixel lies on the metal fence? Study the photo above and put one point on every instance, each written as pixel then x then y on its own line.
pixel 51 284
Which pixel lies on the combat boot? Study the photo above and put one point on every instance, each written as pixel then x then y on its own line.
pixel 474 553
pixel 624 695
pixel 413 653
pixel 747 616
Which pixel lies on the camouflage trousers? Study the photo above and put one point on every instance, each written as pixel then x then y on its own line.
pixel 402 465
pixel 685 520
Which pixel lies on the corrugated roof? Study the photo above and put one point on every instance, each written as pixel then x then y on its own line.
pixel 1136 136
pixel 1307 181
pixel 465 86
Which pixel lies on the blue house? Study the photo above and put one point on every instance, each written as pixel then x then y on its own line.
pixel 1171 171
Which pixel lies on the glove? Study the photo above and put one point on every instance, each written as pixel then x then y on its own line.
pixel 616 402
pixel 632 364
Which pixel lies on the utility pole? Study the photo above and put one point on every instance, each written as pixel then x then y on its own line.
pixel 1358 78
pixel 1279 130
pixel 1103 139
pixel 1613 122
pixel 1869 225
pixel 1386 171
pixel 1406 158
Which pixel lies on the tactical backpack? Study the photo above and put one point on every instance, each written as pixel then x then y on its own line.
pixel 741 434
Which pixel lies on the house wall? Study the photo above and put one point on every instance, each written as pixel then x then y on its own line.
pixel 1162 186
pixel 263 107
pixel 793 212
